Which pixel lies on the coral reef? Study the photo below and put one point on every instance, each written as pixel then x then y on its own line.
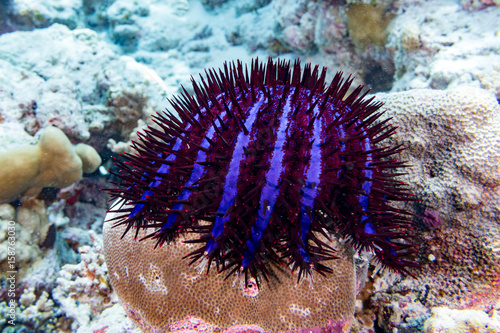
pixel 83 289
pixel 367 24
pixel 89 156
pixel 111 320
pixel 87 94
pixel 98 69
pixel 52 162
pixel 32 216
pixel 297 21
pixel 35 309
pixel 83 204
pixel 81 293
pixel 26 14
pixel 405 313
pixel 478 4
pixel 27 250
pixel 329 32
pixel 7 212
pixel 453 140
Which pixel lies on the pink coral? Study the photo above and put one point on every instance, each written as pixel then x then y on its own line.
pixel 432 219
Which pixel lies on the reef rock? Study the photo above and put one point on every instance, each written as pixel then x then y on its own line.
pixel 32 14
pixel 445 320
pixel 441 45
pixel 92 91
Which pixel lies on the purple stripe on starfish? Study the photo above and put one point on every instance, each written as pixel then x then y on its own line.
pixel 269 193
pixel 342 144
pixel 230 190
pixel 312 179
pixel 366 186
pixel 198 171
pixel 367 173
pixel 163 169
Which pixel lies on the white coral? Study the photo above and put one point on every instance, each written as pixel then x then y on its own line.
pixel 83 289
pixel 446 320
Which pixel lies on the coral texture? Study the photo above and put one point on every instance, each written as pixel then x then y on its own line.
pixel 367 24
pixel 454 144
pixel 349 36
pixel 28 14
pixel 52 162
pixel 27 252
pixel 90 92
pixel 440 45
pixel 80 294
pixel 444 320
pixel 83 289
pixel 159 291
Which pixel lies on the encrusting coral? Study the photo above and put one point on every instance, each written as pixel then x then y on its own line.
pixel 53 162
pixel 445 320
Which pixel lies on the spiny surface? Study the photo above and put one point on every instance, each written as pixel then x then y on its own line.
pixel 276 162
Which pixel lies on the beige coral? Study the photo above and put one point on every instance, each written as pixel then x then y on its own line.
pixel 32 215
pixel 52 162
pixel 367 24
pixel 27 251
pixel 161 292
pixel 453 140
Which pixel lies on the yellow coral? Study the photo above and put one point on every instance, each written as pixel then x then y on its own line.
pixel 53 162
pixel 367 24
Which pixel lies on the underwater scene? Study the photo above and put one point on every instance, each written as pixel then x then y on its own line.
pixel 250 166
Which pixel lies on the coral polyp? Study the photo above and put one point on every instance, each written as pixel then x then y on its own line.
pixel 266 164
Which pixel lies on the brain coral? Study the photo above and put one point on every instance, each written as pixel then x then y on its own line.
pixel 453 138
pixel 454 145
pixel 160 291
